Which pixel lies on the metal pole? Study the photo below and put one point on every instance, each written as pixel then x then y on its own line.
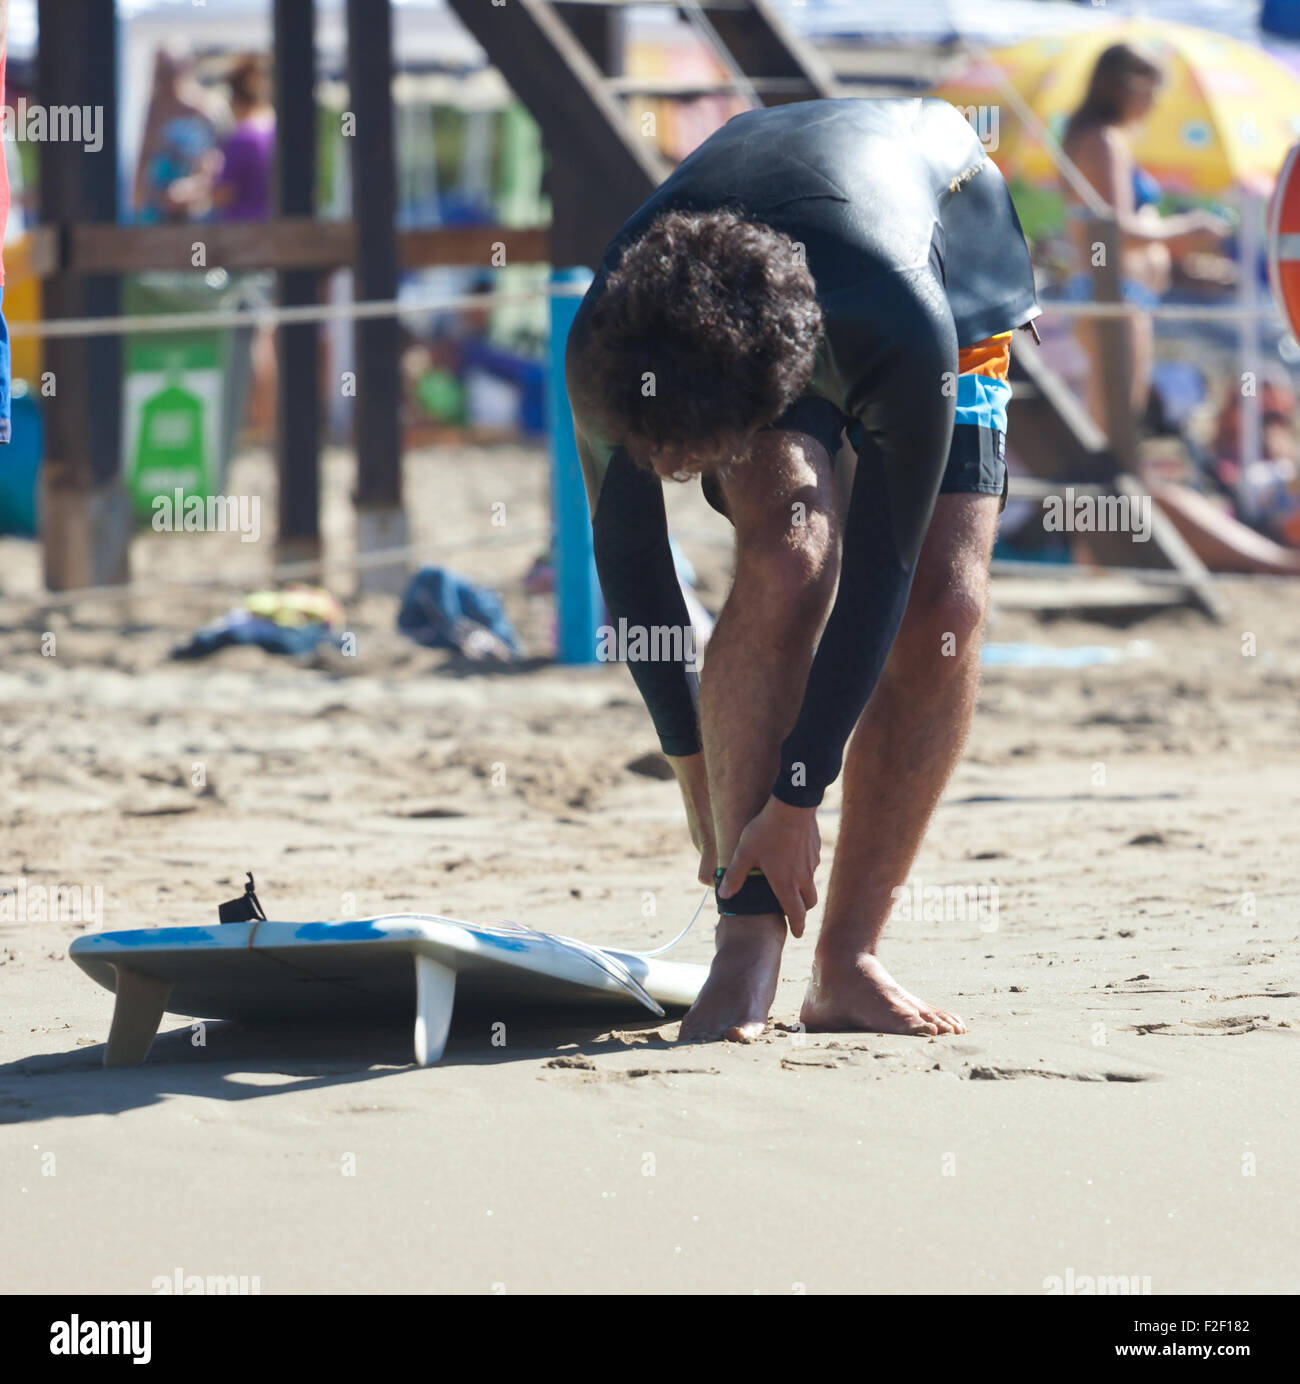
pixel 381 520
pixel 85 512
pixel 298 383
pixel 1251 356
pixel 578 603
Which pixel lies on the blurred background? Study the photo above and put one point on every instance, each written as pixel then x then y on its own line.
pixel 503 160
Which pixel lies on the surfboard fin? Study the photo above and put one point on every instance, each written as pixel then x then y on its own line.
pixel 435 992
pixel 137 1012
pixel 244 909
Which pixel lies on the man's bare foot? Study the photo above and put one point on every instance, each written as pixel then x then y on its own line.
pixel 857 994
pixel 741 985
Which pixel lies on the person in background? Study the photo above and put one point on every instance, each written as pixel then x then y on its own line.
pixel 1122 90
pixel 1265 492
pixel 243 189
pixel 1243 518
pixel 178 154
pixel 242 192
pixel 1268 496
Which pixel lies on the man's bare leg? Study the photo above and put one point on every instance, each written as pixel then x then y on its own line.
pixel 902 753
pixel 780 499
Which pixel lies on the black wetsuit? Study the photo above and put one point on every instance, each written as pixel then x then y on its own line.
pixel 916 250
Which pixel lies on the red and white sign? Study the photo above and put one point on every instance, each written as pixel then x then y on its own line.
pixel 1284 241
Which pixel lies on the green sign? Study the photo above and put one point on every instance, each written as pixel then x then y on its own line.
pixel 174 391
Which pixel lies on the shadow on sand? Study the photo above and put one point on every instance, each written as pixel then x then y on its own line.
pixel 241 1061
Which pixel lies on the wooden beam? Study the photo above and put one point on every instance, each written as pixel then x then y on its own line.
pixel 473 245
pixel 298 397
pixel 1031 488
pixel 1165 548
pixel 610 169
pixel 285 243
pixel 1056 437
pixel 45 251
pixel 602 34
pixel 85 521
pixel 1114 344
pixel 374 264
pixel 289 242
pixel 601 31
pixel 763 45
pixel 1050 430
pixel 377 412
pixel 1084 595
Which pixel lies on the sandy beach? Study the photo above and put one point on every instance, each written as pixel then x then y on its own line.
pixel 1123 1107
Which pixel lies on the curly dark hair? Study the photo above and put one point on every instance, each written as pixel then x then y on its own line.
pixel 721 312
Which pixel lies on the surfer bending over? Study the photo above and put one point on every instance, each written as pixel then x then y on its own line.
pixel 812 268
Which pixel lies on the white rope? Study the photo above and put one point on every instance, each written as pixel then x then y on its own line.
pixel 281 316
pixel 324 312
pixel 668 946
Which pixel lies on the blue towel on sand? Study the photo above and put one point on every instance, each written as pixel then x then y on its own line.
pixel 443 610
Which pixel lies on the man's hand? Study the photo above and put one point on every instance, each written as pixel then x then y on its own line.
pixel 693 780
pixel 784 843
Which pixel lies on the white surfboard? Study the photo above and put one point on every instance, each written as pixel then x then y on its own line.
pixel 373 967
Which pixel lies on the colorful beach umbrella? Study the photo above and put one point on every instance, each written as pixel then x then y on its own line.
pixel 1226 115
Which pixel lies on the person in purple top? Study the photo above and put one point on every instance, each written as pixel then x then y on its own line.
pixel 243 191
